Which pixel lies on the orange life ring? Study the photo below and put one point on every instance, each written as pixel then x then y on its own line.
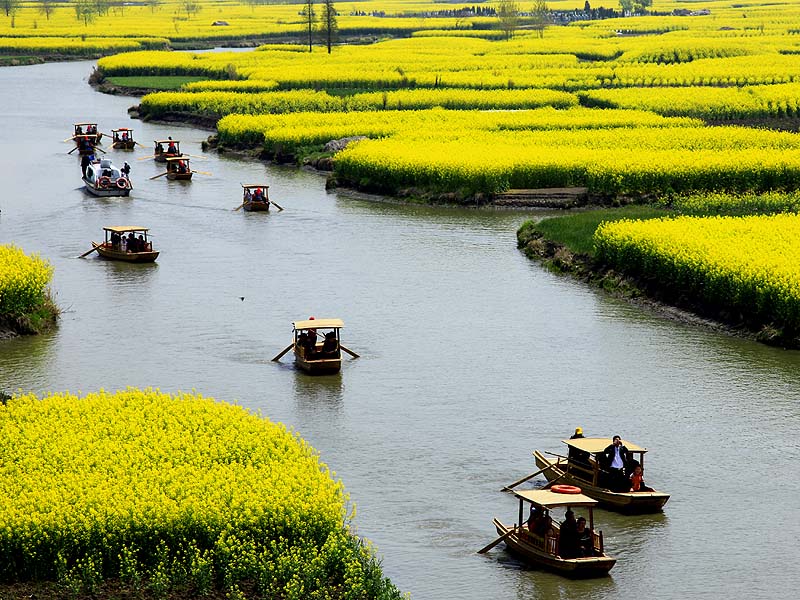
pixel 121 183
pixel 103 181
pixel 566 489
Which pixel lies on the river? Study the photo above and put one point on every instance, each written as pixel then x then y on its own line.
pixel 471 357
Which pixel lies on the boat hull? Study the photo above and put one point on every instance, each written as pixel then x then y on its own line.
pixel 518 543
pixel 108 192
pixel 256 206
pixel 179 176
pixel 162 158
pixel 120 145
pixel 628 502
pixel 317 366
pixel 112 254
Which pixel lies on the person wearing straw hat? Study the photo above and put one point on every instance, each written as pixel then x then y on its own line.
pixel 575 455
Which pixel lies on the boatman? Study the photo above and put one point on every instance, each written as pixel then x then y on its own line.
pixel 126 170
pixel 575 455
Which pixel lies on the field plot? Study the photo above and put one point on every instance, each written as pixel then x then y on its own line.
pixel 746 266
pixel 165 493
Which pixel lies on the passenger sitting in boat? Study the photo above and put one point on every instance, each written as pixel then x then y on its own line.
pixel 124 136
pixel 79 130
pixel 330 347
pixel 182 166
pixel 637 481
pixel 568 537
pixel 159 148
pixel 258 195
pixel 247 195
pixel 171 148
pixel 115 240
pixel 132 245
pixel 583 537
pixel 141 244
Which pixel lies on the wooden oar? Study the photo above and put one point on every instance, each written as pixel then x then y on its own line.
pixel 277 205
pixel 285 350
pixel 88 252
pixel 142 145
pixel 488 547
pixel 145 157
pixel 160 175
pixel 554 454
pixel 511 486
pixel 196 156
pixel 350 352
pixel 73 150
pixel 202 172
pixel 551 482
pixel 69 138
pixel 240 206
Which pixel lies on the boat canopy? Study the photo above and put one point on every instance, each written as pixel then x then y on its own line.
pixel 125 228
pixel 595 445
pixel 174 158
pixel 82 124
pixel 123 129
pixel 254 185
pixel 166 141
pixel 318 324
pixel 550 499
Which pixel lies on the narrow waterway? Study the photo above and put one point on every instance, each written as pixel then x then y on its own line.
pixel 472 356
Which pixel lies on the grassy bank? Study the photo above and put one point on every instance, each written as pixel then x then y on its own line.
pixel 575 231
pixel 158 83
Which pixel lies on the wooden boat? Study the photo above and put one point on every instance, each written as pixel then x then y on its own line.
pixel 104 179
pixel 116 246
pixel 178 168
pixel 587 474
pixel 123 139
pixel 308 351
pixel 544 550
pixel 255 197
pixel 85 144
pixel 87 129
pixel 164 149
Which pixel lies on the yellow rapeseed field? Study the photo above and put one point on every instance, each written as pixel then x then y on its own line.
pixel 172 492
pixel 744 265
pixel 23 281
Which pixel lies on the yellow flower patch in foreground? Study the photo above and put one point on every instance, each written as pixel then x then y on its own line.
pixel 179 491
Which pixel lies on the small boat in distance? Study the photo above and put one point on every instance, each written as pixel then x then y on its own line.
pixel 130 248
pixel 88 129
pixel 164 149
pixel 582 468
pixel 178 168
pixel 84 144
pixel 540 541
pixel 314 356
pixel 123 139
pixel 103 179
pixel 255 197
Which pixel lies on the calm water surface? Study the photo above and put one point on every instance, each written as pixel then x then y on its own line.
pixel 472 356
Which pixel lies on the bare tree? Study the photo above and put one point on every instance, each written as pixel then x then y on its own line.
pixel 10 7
pixel 328 26
pixel 85 10
pixel 192 7
pixel 46 7
pixel 154 4
pixel 540 17
pixel 309 17
pixel 508 15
